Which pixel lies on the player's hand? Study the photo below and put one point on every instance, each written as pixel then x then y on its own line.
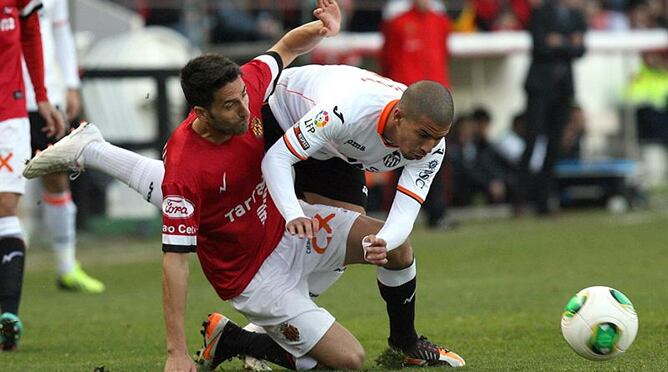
pixel 375 250
pixel 577 39
pixel 55 123
pixel 554 40
pixel 73 100
pixel 329 14
pixel 497 190
pixel 180 363
pixel 303 226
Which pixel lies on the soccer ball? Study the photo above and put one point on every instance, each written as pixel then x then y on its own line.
pixel 599 323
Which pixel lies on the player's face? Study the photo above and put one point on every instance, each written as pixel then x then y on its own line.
pixel 417 138
pixel 229 112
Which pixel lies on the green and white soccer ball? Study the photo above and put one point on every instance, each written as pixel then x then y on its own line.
pixel 599 323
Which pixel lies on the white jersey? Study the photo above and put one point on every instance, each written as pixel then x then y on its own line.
pixel 60 63
pixel 341 111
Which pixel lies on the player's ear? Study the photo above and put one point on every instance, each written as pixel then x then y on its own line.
pixel 201 113
pixel 398 113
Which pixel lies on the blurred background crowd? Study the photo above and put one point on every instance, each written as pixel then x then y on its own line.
pixel 614 107
pixel 245 20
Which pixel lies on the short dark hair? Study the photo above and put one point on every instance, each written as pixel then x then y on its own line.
pixel 202 76
pixel 430 99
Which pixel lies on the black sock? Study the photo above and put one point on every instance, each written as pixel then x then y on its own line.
pixel 12 260
pixel 401 310
pixel 260 346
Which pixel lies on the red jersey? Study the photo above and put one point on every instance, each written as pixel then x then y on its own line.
pixel 487 12
pixel 415 47
pixel 19 37
pixel 215 201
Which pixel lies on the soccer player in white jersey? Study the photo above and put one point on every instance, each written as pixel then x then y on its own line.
pixel 61 76
pixel 353 120
pixel 366 120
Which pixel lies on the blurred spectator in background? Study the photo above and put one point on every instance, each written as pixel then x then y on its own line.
pixel 415 48
pixel 163 13
pixel 658 12
pixel 58 210
pixel 234 22
pixel 365 16
pixel 495 15
pixel 648 93
pixel 648 13
pixel 474 167
pixel 415 45
pixel 574 132
pixel 511 145
pixel 606 15
pixel 394 8
pixel 462 13
pixel 557 29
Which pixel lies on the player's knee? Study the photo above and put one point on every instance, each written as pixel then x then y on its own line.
pixel 345 357
pixel 8 204
pixel 400 257
pixel 354 359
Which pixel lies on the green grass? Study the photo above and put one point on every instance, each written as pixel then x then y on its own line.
pixel 491 290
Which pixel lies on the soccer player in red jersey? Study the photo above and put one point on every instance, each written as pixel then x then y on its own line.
pixel 215 202
pixel 19 38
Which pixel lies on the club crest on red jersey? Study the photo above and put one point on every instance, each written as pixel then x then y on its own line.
pixel 256 127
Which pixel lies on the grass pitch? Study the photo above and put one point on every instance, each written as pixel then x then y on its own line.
pixel 493 291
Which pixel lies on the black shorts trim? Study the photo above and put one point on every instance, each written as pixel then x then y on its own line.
pixel 38 139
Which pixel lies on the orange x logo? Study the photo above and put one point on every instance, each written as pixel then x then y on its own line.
pixel 4 162
pixel 324 224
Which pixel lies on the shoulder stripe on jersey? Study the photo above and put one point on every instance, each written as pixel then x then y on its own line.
pixel 179 239
pixel 30 8
pixel 409 193
pixel 275 63
pixel 382 120
pixel 292 149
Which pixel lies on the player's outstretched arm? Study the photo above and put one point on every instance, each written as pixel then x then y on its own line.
pixel 400 221
pixel 174 295
pixel 304 38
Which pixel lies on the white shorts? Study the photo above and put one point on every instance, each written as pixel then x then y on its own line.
pixel 278 296
pixel 14 152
